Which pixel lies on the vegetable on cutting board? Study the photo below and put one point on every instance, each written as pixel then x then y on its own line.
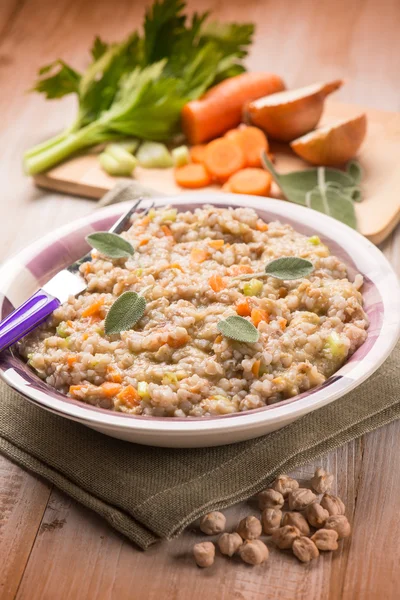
pixel 287 115
pixel 333 144
pixel 253 181
pixel 223 158
pixel 252 141
pixel 192 176
pixel 197 153
pixel 153 155
pixel 180 156
pixel 117 161
pixel 139 86
pixel 220 109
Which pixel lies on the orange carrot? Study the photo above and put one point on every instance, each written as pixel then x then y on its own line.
pixel 216 244
pixel 258 315
pixel 197 153
pixel 114 375
pixel 198 255
pixel 255 182
pixel 192 176
pixel 129 396
pixel 216 283
pixel 255 369
pixel 71 360
pixel 176 266
pixel 261 225
pixel 77 390
pixel 110 389
pixel 252 141
pixel 243 308
pixel 282 323
pixel 144 241
pixel 223 158
pixel 166 230
pixel 221 107
pixel 94 309
pixel 226 187
pixel 178 343
pixel 218 339
pixel 240 270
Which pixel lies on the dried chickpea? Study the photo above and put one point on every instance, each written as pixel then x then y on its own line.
pixel 325 539
pixel 297 520
pixel 322 481
pixel 301 498
pixel 253 552
pixel 204 554
pixel 229 543
pixel 316 515
pixel 340 524
pixel 270 499
pixel 305 549
pixel 271 519
pixel 249 528
pixel 333 504
pixel 284 485
pixel 285 536
pixel 213 523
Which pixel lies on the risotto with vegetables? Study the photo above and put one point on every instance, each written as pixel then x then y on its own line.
pixel 193 272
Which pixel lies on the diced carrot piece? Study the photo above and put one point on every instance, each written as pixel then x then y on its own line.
pixel 70 324
pixel 87 268
pixel 94 309
pixel 166 230
pixel 258 315
pixel 216 244
pixel 261 226
pixel 217 283
pixel 144 241
pixel 145 221
pixel 255 369
pixel 110 389
pixel 114 375
pixel 192 176
pixel 71 360
pixel 282 323
pixel 198 255
pixel 243 308
pixel 176 266
pixel 218 339
pixel 240 270
pixel 255 182
pixel 252 141
pixel 223 158
pixel 85 336
pixel 197 153
pixel 77 390
pixel 129 396
pixel 177 343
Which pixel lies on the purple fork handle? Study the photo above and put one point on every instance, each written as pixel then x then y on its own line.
pixel 25 318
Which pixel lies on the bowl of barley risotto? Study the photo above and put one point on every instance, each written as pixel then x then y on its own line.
pixel 178 377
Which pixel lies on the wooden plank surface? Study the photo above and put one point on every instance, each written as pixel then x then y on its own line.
pixel 50 547
pixel 377 215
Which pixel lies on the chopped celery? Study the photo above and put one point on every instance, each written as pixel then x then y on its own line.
pixel 153 155
pixel 253 287
pixel 335 345
pixel 169 215
pixel 314 239
pixel 169 377
pixel 113 167
pixel 143 390
pixel 152 213
pixel 61 330
pixel 122 156
pixel 139 272
pixel 180 156
pixel 130 145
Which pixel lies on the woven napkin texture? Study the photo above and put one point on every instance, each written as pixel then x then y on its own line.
pixel 152 493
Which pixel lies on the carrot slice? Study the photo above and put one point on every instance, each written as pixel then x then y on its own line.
pixel 217 283
pixel 221 107
pixel 192 176
pixel 255 369
pixel 252 141
pixel 240 270
pixel 226 187
pixel 217 244
pixel 261 226
pixel 243 308
pixel 144 241
pixel 114 375
pixel 166 230
pixel 71 360
pixel 129 396
pixel 198 255
pixel 197 153
pixel 94 309
pixel 258 315
pixel 110 389
pixel 255 182
pixel 223 158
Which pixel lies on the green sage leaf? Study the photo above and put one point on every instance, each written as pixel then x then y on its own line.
pixel 124 313
pixel 239 329
pixel 110 244
pixel 289 267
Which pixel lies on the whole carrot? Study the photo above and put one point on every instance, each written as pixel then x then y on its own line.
pixel 221 107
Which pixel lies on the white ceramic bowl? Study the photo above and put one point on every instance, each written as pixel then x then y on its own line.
pixel 31 268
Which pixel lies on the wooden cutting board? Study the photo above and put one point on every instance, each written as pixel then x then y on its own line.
pixel 377 214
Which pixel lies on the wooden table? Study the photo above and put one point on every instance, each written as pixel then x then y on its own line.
pixel 52 548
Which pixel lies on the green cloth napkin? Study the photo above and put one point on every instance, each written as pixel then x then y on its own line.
pixel 154 493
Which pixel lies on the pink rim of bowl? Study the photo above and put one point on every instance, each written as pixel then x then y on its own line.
pixel 23 274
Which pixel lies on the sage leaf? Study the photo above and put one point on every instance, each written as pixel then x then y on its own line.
pixel 239 329
pixel 124 313
pixel 110 244
pixel 289 267
pixel 307 188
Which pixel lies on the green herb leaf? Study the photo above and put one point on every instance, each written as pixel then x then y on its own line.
pixel 60 80
pixel 327 190
pixel 289 267
pixel 124 313
pixel 355 171
pixel 99 48
pixel 110 244
pixel 239 329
